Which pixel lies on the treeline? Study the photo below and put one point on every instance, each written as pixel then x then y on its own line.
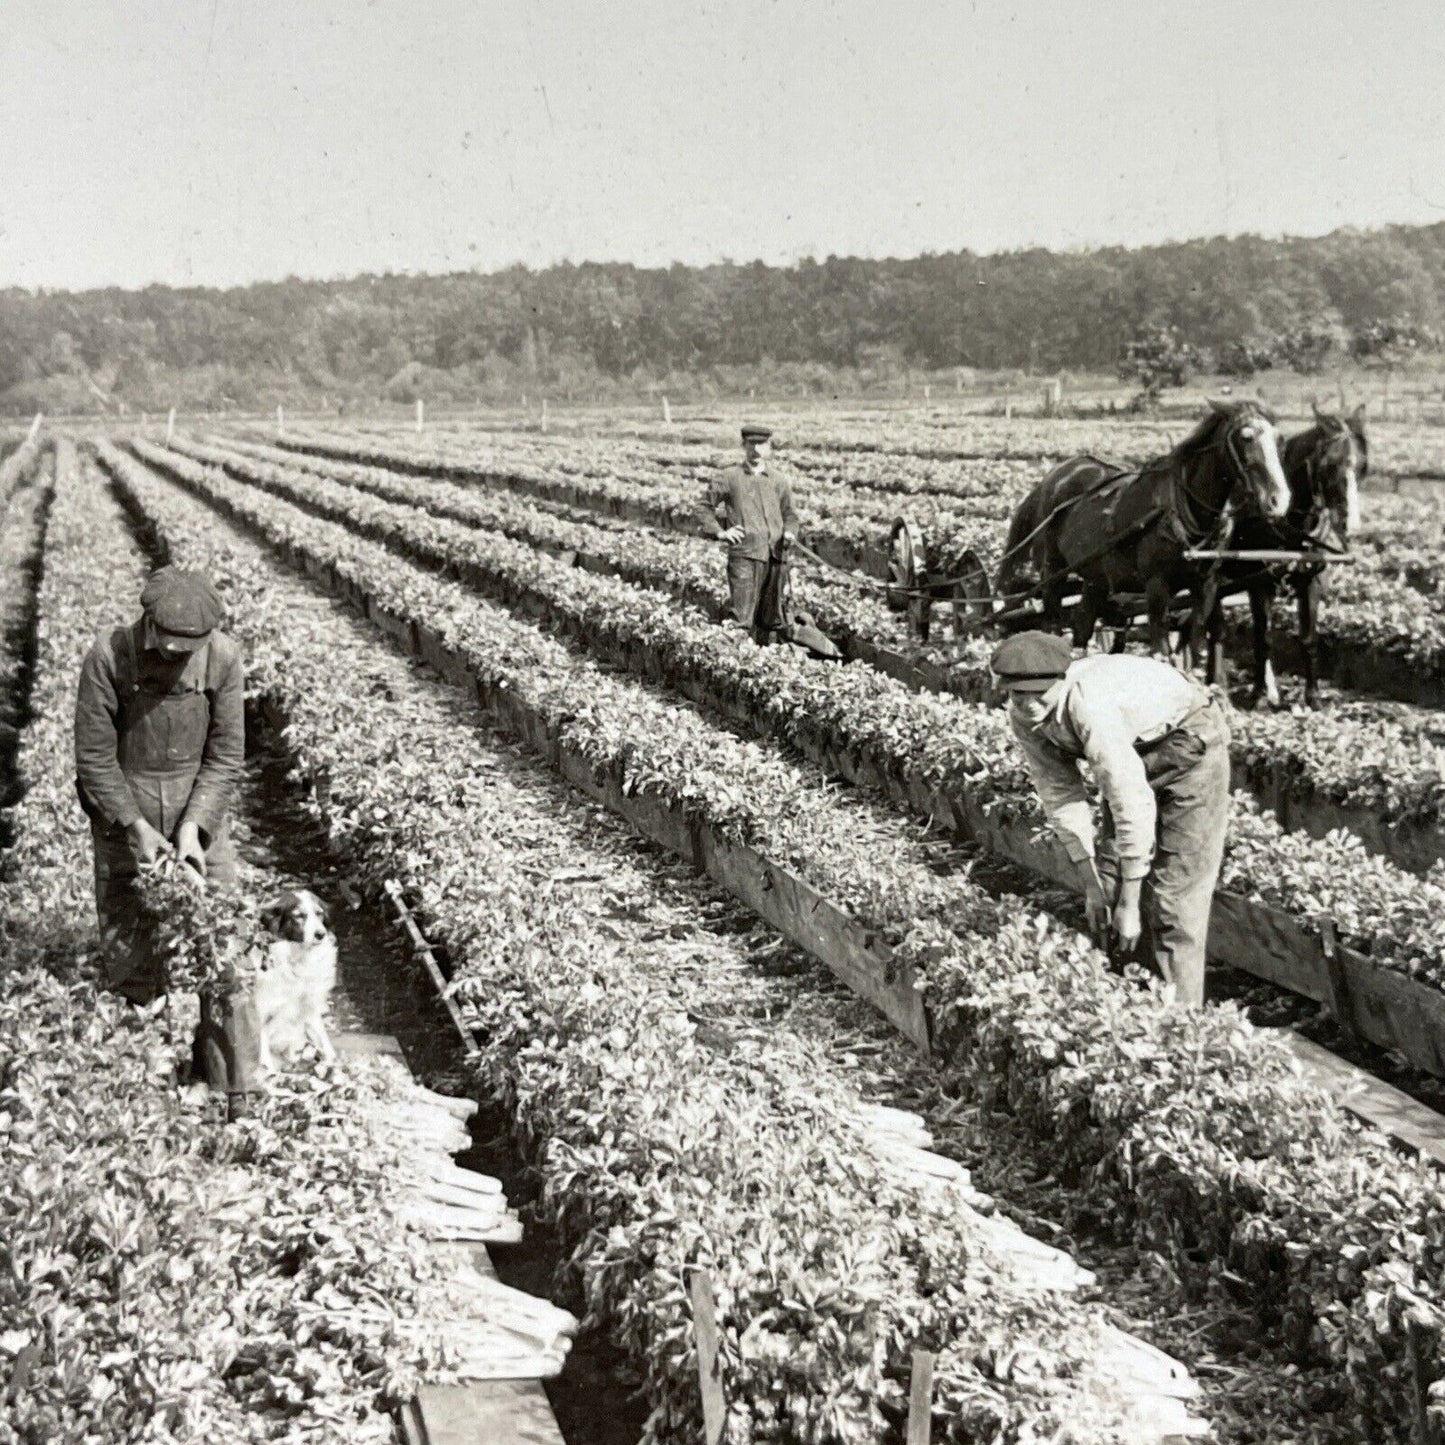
pixel 586 330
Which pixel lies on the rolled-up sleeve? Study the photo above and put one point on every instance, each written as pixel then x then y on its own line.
pixel 712 511
pixel 97 755
pixel 225 752
pixel 1108 745
pixel 1060 786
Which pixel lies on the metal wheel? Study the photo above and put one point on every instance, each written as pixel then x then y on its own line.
pixel 906 576
pixel 972 602
pixel 902 564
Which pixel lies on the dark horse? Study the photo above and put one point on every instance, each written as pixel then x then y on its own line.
pixel 1122 532
pixel 1324 467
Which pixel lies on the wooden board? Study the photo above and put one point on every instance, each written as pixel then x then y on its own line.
pixel 1373 1101
pixel 366 1045
pixel 500 1412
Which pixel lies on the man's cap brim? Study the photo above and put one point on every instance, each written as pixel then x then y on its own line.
pixel 179 642
pixel 1030 684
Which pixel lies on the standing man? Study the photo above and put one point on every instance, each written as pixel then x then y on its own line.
pixel 1158 746
pixel 752 511
pixel 159 748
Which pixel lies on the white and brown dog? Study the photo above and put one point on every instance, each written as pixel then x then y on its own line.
pixel 294 985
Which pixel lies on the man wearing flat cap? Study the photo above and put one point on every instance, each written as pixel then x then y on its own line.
pixel 1157 744
pixel 159 749
pixel 752 511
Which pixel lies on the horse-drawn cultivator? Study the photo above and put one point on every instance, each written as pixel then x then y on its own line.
pixel 1097 545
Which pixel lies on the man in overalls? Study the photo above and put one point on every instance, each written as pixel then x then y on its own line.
pixel 159 748
pixel 1158 746
pixel 751 510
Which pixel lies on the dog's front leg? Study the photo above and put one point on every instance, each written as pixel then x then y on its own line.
pixel 319 1039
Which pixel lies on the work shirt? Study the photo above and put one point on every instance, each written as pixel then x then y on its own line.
pixel 758 502
pixel 161 740
pixel 1102 711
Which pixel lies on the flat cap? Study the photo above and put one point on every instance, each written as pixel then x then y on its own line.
pixel 756 433
pixel 1031 661
pixel 182 606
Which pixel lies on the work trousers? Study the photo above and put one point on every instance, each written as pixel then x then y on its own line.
pixel 226 1051
pixel 1188 770
pixel 755 591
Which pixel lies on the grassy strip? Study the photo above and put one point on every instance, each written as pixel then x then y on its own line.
pixel 1194 1128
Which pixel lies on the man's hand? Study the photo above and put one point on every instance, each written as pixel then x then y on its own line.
pixel 732 536
pixel 1096 909
pixel 1126 926
pixel 1126 914
pixel 188 847
pixel 148 844
pixel 790 536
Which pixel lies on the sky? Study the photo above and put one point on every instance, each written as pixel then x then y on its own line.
pixel 216 142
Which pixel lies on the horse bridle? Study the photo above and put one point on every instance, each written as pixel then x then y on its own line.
pixel 1318 517
pixel 1185 506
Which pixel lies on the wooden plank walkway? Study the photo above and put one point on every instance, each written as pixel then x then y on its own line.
pixel 481 1412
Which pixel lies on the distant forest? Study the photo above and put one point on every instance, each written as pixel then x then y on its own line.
pixel 599 330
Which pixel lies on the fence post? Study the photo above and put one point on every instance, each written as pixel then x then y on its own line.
pixel 544 413
pixel 920 1399
pixel 927 392
pixel 170 426
pixel 34 426
pixel 420 413
pixel 666 413
pixel 280 419
pixel 704 1323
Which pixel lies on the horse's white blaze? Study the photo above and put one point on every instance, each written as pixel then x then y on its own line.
pixel 1352 499
pixel 1268 444
pixel 1271 687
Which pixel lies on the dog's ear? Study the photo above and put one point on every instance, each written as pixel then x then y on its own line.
pixel 274 914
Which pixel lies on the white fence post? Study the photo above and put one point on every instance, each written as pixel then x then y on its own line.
pixel 170 426
pixel 666 413
pixel 544 413
pixel 280 420
pixel 34 426
pixel 420 413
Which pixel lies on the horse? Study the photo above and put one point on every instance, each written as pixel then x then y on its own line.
pixel 1324 467
pixel 1123 531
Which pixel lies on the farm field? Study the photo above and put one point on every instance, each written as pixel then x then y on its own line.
pixel 766 959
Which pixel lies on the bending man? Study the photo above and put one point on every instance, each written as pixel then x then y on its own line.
pixel 1158 746
pixel 159 747
pixel 752 511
